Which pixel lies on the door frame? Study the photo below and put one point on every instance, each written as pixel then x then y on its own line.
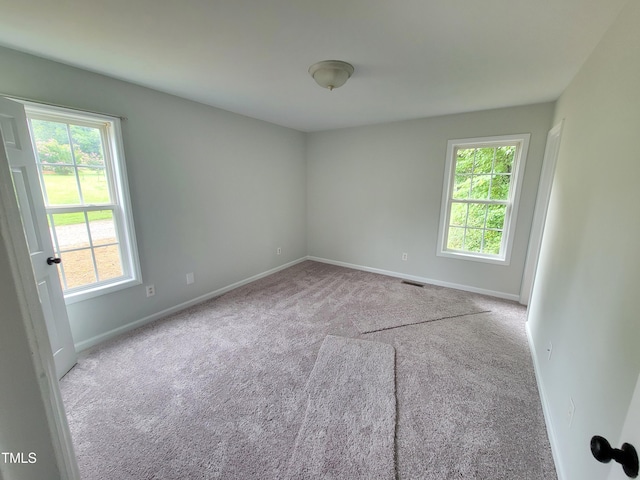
pixel 554 137
pixel 32 317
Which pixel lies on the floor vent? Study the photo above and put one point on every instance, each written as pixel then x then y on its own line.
pixel 415 284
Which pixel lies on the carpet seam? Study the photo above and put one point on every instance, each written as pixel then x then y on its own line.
pixel 424 321
pixel 395 430
pixel 306 411
pixel 295 445
pixel 288 474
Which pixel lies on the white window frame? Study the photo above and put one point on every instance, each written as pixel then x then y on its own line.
pixel 522 146
pixel 117 174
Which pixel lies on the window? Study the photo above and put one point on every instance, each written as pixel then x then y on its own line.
pixel 83 178
pixel 480 197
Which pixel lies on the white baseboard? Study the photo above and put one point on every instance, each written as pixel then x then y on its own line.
pixel 431 281
pixel 85 344
pixel 545 408
pixel 163 313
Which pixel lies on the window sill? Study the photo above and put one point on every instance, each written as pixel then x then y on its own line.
pixel 99 289
pixel 496 260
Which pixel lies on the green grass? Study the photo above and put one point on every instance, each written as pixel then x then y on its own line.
pixel 63 190
pixel 61 219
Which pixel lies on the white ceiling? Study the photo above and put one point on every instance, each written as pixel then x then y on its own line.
pixel 412 58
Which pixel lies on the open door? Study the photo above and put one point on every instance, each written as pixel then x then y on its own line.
pixel 19 150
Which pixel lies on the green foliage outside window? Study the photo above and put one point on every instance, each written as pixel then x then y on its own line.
pixel 482 174
pixel 53 144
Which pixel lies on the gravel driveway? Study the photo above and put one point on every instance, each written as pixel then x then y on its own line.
pixel 102 231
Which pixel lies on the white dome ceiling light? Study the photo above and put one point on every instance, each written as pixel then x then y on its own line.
pixel 331 73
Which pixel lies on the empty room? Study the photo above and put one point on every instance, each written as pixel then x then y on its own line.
pixel 356 240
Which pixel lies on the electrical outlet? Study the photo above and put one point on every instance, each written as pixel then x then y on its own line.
pixel 151 290
pixel 278 251
pixel 571 411
pixel 405 257
pixel 549 350
pixel 190 278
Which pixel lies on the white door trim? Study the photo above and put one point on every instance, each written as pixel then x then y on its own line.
pixel 540 214
pixel 12 233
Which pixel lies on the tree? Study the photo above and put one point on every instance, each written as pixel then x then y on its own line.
pixel 480 174
pixel 54 140
pixel 52 153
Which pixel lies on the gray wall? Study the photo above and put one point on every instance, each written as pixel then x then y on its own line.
pixel 213 192
pixel 585 297
pixel 375 192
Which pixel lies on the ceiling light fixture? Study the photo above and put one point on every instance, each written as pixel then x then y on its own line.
pixel 331 73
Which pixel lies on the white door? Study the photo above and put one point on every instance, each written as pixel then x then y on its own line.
pixel 630 433
pixel 17 142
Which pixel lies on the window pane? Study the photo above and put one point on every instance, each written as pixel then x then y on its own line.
pixel 461 187
pixel 87 145
pixel 52 143
pixel 473 240
pixel 476 215
pixel 60 188
pixel 464 160
pixel 483 162
pixel 504 159
pixel 78 268
pixel 108 262
pixel 102 226
pixel 71 230
pixel 458 214
pixel 495 216
pixel 455 238
pixel 95 188
pixel 500 187
pixel 492 241
pixel 480 187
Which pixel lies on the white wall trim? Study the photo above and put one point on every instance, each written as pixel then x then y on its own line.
pixel 431 281
pixel 168 311
pixel 554 137
pixel 555 450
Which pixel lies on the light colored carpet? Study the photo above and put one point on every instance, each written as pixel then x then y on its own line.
pixel 348 430
pixel 400 304
pixel 218 391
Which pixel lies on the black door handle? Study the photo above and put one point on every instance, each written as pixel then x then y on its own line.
pixel 52 260
pixel 625 456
